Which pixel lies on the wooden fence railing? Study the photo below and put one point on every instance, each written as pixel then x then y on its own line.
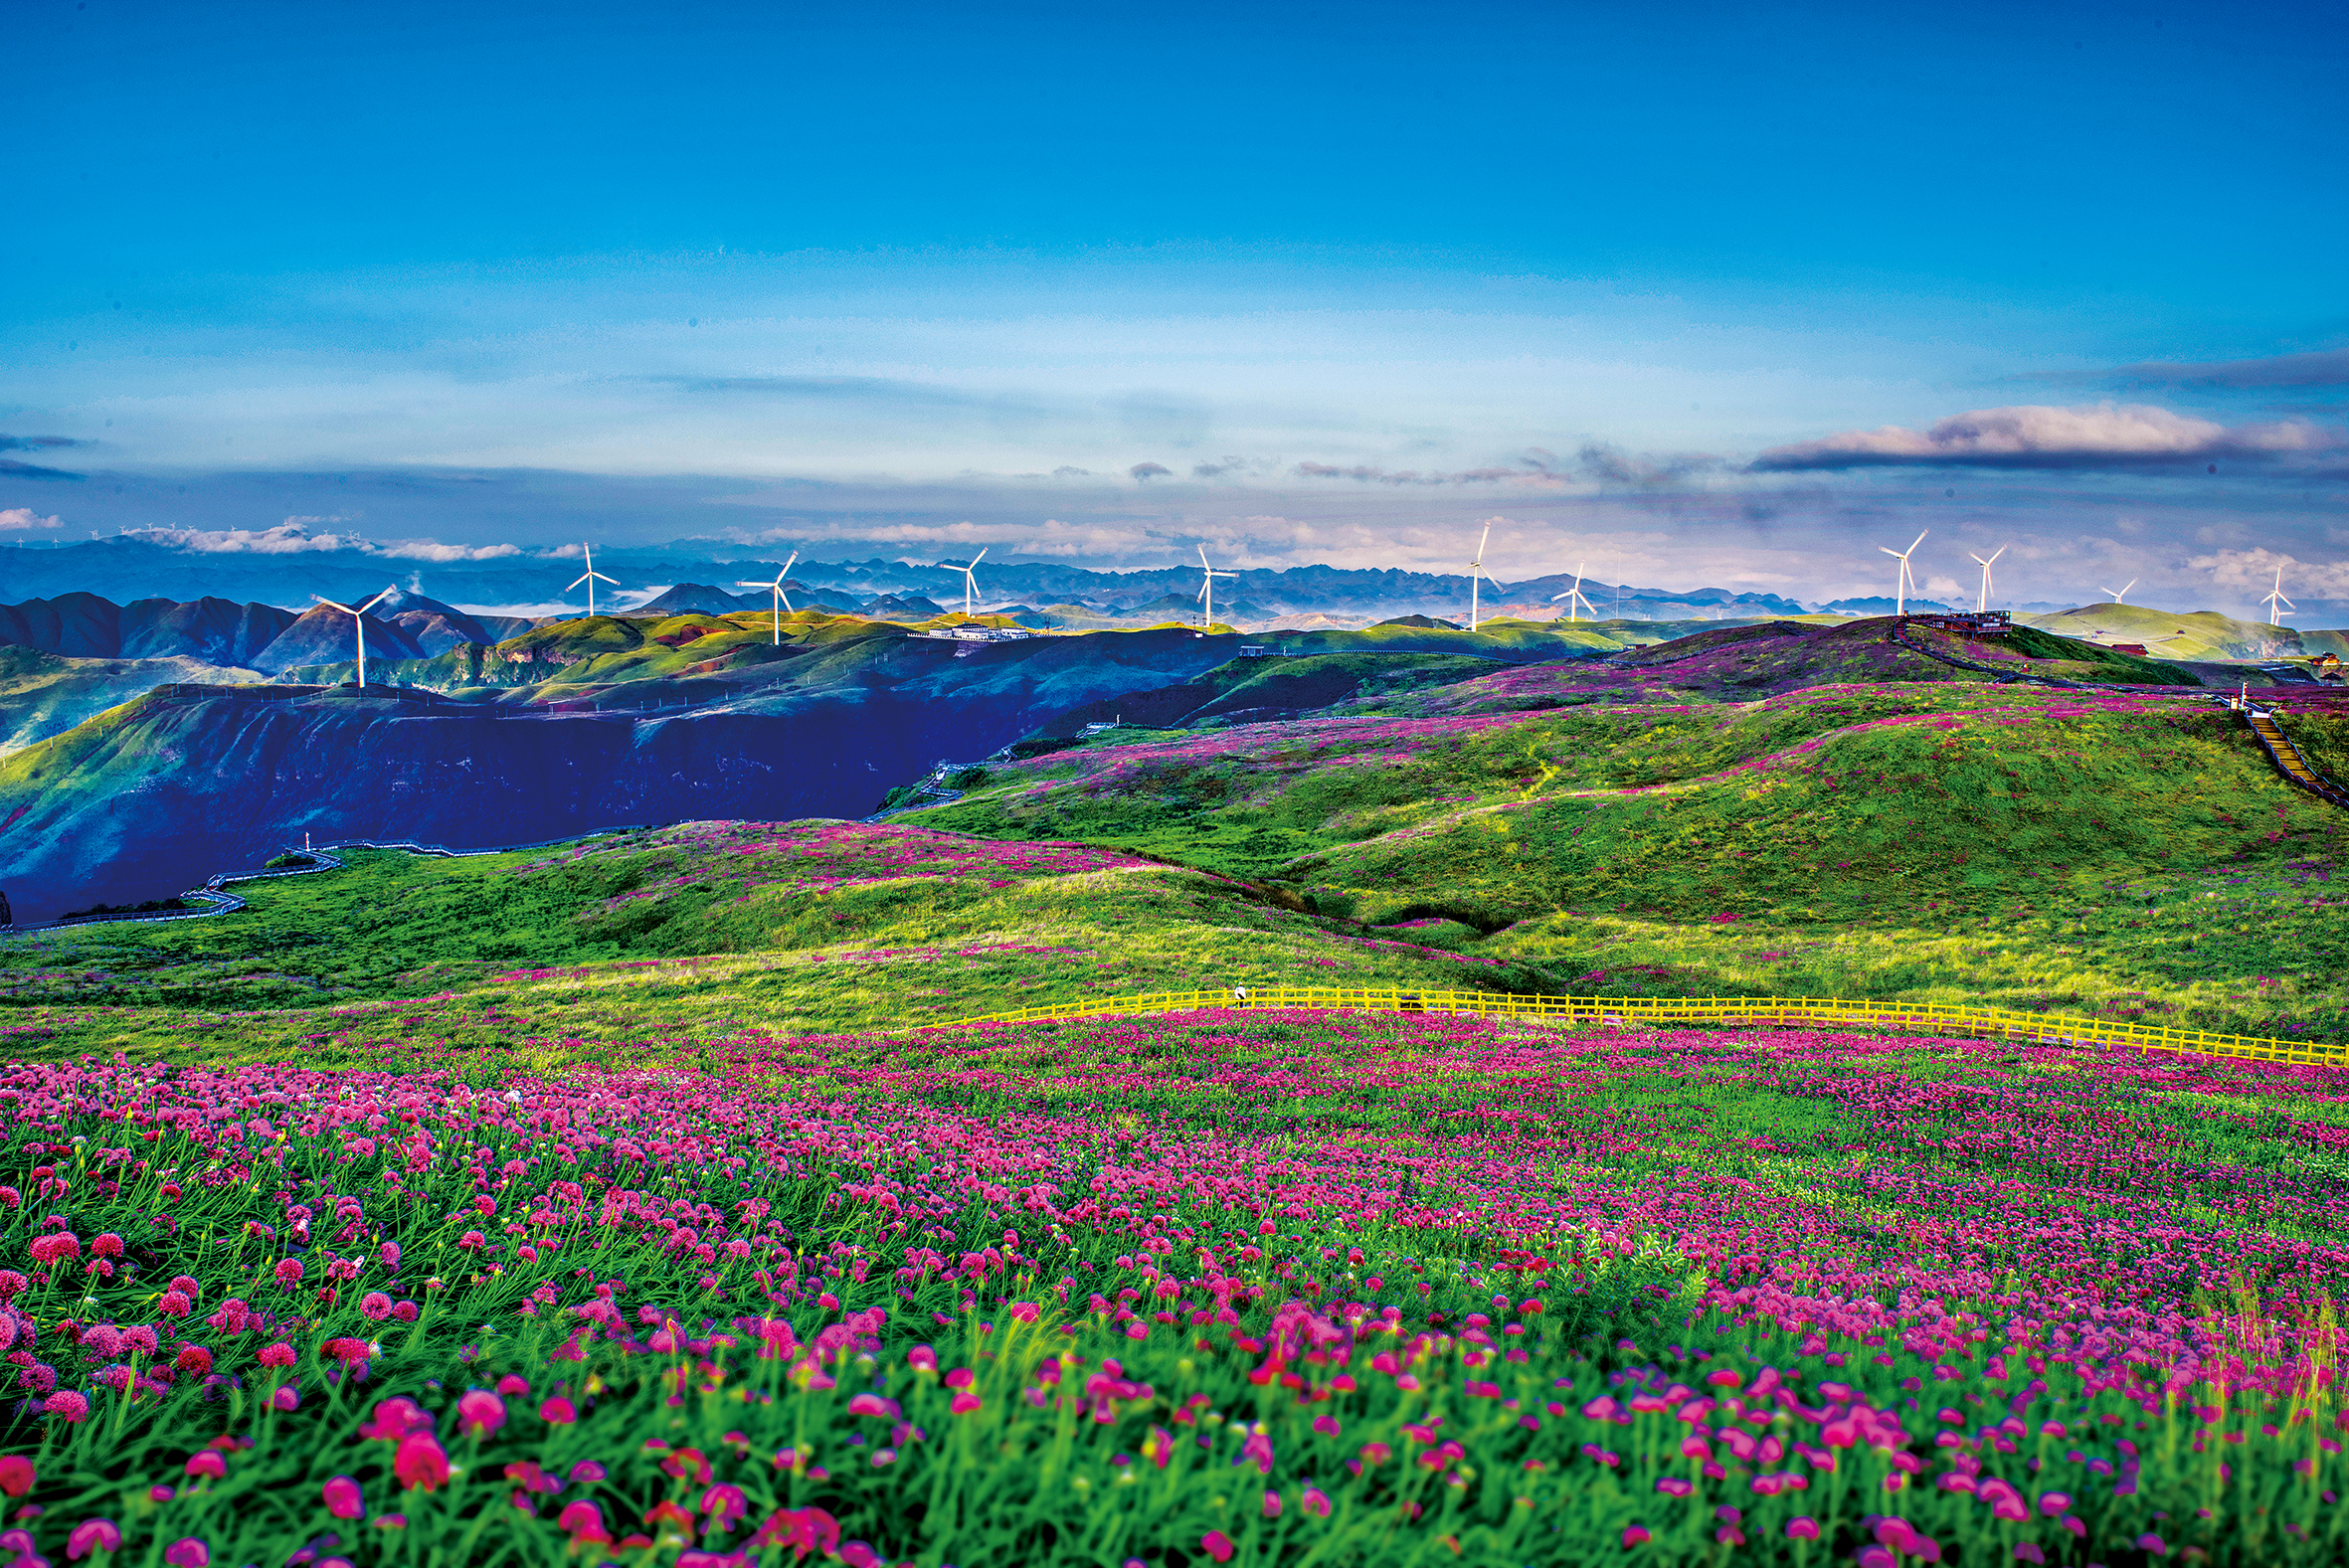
pixel 1587 1012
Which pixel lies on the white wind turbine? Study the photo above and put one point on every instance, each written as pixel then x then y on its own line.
pixel 359 620
pixel 591 577
pixel 969 577
pixel 1905 582
pixel 1573 597
pixel 1983 602
pixel 1476 577
pixel 783 600
pixel 2125 587
pixel 1207 593
pixel 2274 616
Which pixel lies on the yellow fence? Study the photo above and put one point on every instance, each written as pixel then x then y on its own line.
pixel 1589 1013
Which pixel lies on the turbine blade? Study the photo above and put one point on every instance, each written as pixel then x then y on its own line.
pixel 574 582
pixel 787 566
pixel 1918 540
pixel 1894 554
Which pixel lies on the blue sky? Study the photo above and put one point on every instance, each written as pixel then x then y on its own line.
pixel 1307 282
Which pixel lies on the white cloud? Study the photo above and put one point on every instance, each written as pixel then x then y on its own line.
pixel 18 518
pixel 2253 572
pixel 434 550
pixel 2037 436
pixel 293 537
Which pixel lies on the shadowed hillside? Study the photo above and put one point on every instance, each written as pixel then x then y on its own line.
pixel 148 798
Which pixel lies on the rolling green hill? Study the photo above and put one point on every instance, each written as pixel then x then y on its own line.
pixel 1636 824
pixel 46 694
pixel 569 727
pixel 2205 634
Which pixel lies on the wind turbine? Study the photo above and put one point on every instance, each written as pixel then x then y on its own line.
pixel 783 600
pixel 359 620
pixel 2274 614
pixel 1574 595
pixel 591 577
pixel 1984 602
pixel 1476 575
pixel 2125 587
pixel 1900 588
pixel 969 577
pixel 1207 593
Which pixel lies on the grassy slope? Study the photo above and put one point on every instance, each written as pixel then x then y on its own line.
pixel 2205 634
pixel 1508 830
pixel 699 929
pixel 46 694
pixel 1843 831
pixel 563 660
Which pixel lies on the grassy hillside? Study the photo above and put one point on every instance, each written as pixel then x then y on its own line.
pixel 689 930
pixel 1253 799
pixel 1875 834
pixel 46 694
pixel 708 656
pixel 1537 826
pixel 2205 634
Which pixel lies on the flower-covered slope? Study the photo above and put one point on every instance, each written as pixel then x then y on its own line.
pixel 1247 1289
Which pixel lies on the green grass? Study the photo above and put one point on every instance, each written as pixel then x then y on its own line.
pixel 667 935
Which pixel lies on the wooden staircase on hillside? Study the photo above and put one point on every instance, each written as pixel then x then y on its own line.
pixel 2286 757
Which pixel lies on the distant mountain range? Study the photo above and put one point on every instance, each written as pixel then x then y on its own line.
pixel 256 637
pixel 143 568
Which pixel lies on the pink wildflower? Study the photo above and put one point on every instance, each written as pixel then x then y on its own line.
pixel 93 1536
pixel 420 1462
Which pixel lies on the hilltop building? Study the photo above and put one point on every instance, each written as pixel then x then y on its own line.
pixel 1967 622
pixel 976 634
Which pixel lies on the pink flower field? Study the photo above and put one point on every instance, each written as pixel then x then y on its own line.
pixel 1203 1289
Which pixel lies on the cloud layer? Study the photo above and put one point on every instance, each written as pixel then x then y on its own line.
pixel 293 537
pixel 2107 436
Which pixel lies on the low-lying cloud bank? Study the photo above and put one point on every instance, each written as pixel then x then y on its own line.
pixel 2107 436
pixel 293 537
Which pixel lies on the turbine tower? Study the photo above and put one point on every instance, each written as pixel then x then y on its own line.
pixel 2275 595
pixel 783 600
pixel 1207 593
pixel 1573 597
pixel 1906 581
pixel 591 577
pixel 2125 587
pixel 1983 602
pixel 359 620
pixel 969 577
pixel 1476 573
